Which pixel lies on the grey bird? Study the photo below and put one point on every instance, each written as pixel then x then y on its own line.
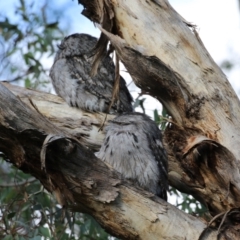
pixel 72 81
pixel 133 146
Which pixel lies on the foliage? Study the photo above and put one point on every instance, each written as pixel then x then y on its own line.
pixel 27 41
pixel 27 211
pixel 189 204
pixel 139 102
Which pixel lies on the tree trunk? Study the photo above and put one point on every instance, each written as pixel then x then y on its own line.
pixel 166 58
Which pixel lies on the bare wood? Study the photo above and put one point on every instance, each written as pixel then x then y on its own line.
pixel 80 181
pixel 166 58
pixel 84 126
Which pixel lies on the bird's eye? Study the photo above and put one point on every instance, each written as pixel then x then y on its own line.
pixel 120 123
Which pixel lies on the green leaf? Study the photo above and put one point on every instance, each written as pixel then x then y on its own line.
pixel 156 116
pixel 52 25
pixel 164 112
pixel 139 103
pixel 11 215
pixel 27 83
pixel 8 25
pixel 37 207
pixel 35 238
pixel 8 237
pixel 44 232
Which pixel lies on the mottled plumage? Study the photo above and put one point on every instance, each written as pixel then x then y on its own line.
pixel 133 146
pixel 71 78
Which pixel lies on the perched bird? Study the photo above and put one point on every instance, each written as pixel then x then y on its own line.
pixel 133 146
pixel 71 78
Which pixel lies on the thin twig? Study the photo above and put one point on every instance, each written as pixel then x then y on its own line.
pixel 14 184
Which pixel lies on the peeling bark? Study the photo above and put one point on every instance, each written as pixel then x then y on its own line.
pixel 84 126
pixel 78 179
pixel 166 58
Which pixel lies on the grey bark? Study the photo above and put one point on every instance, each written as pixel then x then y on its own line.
pixel 166 58
pixel 32 141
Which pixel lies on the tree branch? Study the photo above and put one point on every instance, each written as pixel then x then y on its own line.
pixel 84 126
pixel 17 184
pixel 78 179
pixel 167 59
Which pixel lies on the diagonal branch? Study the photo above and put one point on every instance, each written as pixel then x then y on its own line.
pixel 81 181
pixel 167 59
